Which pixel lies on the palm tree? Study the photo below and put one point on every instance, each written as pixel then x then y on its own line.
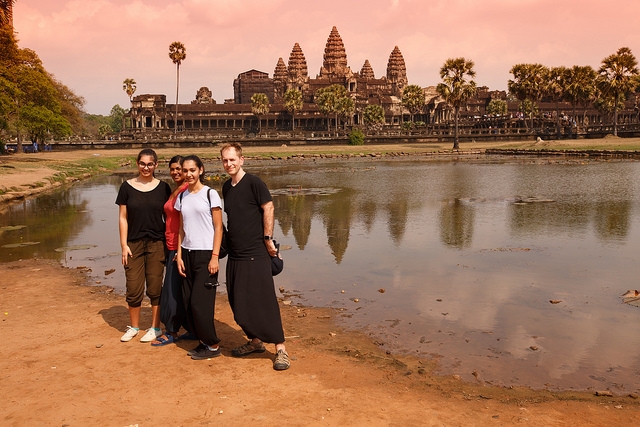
pixel 413 99
pixel 6 12
pixel 581 88
pixel 556 87
pixel 129 86
pixel 328 100
pixel 528 85
pixel 293 104
pixel 616 78
pixel 177 53
pixel 455 88
pixel 345 109
pixel 259 106
pixel 373 117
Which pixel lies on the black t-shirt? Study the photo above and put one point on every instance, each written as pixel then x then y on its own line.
pixel 243 206
pixel 145 210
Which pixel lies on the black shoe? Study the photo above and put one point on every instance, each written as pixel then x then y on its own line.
pixel 205 353
pixel 197 349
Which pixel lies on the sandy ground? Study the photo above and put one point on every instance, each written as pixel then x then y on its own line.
pixel 62 364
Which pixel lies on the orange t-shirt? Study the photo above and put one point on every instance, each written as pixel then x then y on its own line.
pixel 172 221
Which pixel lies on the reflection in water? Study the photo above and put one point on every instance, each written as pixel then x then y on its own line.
pixel 467 268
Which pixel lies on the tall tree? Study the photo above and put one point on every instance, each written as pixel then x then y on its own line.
pixel 616 79
pixel 328 99
pixel 259 107
pixel 129 85
pixel 345 109
pixel 413 99
pixel 528 84
pixel 581 87
pixel 555 89
pixel 373 117
pixel 457 87
pixel 6 12
pixel 293 104
pixel 177 53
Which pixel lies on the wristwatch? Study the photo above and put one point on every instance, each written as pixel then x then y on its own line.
pixel 267 237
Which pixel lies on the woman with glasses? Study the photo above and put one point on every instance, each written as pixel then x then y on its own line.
pixel 141 225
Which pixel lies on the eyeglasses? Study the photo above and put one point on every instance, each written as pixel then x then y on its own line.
pixel 146 165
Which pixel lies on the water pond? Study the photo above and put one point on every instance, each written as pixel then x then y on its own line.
pixel 509 268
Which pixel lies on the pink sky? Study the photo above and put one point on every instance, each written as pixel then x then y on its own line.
pixel 93 45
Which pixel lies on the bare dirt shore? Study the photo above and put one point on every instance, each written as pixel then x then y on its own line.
pixel 62 364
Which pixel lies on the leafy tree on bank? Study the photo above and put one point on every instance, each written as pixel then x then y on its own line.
pixel 259 107
pixel 32 101
pixel 177 53
pixel 616 78
pixel 581 87
pixel 373 117
pixel 413 99
pixel 497 107
pixel 328 100
pixel 293 104
pixel 528 84
pixel 457 87
pixel 129 86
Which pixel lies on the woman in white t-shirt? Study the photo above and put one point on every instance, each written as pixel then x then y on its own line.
pixel 199 242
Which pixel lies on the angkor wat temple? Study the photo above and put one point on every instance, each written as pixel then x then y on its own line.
pixel 152 113
pixel 151 117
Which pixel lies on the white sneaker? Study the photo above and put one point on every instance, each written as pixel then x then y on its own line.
pixel 151 335
pixel 129 334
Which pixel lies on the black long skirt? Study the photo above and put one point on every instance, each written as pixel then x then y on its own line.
pixel 252 297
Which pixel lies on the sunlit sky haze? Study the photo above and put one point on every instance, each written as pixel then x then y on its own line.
pixel 93 45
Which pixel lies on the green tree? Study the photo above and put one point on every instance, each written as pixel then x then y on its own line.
pixel 328 99
pixel 129 85
pixel 413 99
pixel 373 117
pixel 32 102
pixel 616 79
pixel 177 53
pixel 497 107
pixel 293 104
pixel 259 107
pixel 457 87
pixel 528 84
pixel 115 118
pixel 103 130
pixel 345 109
pixel 581 87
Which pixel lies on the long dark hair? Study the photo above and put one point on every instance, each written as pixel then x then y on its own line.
pixel 198 163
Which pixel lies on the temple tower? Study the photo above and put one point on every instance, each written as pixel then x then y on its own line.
pixel 397 72
pixel 279 81
pixel 297 69
pixel 335 57
pixel 367 70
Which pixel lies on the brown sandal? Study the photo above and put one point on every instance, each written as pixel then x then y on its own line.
pixel 248 348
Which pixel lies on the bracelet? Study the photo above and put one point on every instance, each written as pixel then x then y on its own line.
pixel 214 254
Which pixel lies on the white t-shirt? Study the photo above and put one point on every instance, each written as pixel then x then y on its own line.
pixel 197 221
